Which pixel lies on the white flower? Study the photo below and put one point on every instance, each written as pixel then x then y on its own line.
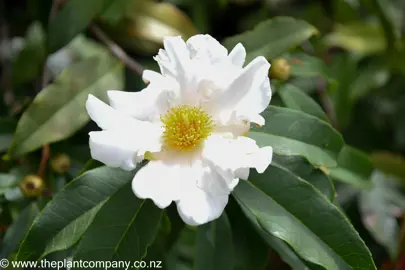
pixel 190 122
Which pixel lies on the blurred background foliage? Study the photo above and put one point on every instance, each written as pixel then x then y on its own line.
pixel 349 58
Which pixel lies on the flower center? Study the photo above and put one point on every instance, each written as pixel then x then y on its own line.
pixel 186 127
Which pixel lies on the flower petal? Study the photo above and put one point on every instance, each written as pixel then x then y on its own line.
pixel 199 207
pixel 206 48
pixel 113 149
pixel 124 140
pixel 178 53
pixel 249 94
pixel 108 118
pixel 230 155
pixel 237 55
pixel 199 204
pixel 159 181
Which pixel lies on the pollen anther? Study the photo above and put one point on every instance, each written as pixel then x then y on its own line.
pixel 186 127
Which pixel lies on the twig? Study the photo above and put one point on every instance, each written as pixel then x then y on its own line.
pixel 117 50
pixel 46 152
pixel 326 102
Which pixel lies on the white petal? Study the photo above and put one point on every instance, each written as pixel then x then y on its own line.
pixel 242 173
pixel 166 67
pixel 113 149
pixel 158 181
pixel 147 104
pixel 201 205
pixel 177 52
pixel 230 155
pixel 108 118
pixel 237 55
pixel 206 48
pixel 250 92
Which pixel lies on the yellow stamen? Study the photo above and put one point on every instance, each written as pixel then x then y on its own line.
pixel 186 127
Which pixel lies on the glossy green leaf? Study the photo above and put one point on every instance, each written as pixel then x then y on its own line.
pixel 358 37
pixel 300 167
pixel 251 252
pixel 291 209
pixel 72 19
pixel 283 250
pixel 272 37
pixel 71 234
pixel 297 99
pixel 123 229
pixel 7 127
pixel 29 63
pixel 214 247
pixel 15 233
pixel 292 132
pixel 79 196
pixel 59 110
pixel 354 167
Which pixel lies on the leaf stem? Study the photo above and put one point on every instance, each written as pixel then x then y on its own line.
pixel 117 50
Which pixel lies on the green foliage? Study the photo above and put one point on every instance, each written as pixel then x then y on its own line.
pixel 265 40
pixel 292 132
pixel 336 119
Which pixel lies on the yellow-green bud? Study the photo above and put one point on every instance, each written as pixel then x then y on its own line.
pixel 32 185
pixel 60 163
pixel 280 69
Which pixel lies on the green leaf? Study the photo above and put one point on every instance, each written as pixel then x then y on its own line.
pixel 214 248
pixel 17 230
pixel 29 63
pixel 301 167
pixel 59 110
pixel 79 196
pixel 72 19
pixel 116 11
pixel 272 37
pixel 386 13
pixel 284 251
pixel 292 132
pixel 370 77
pixel 354 167
pixel 343 71
pixel 304 65
pixel 297 99
pixel 293 210
pixel 389 163
pixel 358 37
pixel 7 181
pixel 251 252
pixel 123 229
pixel 71 234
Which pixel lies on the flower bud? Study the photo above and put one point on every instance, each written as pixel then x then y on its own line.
pixel 60 163
pixel 280 69
pixel 32 185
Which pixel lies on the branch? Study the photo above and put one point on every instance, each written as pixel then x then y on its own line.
pixel 117 50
